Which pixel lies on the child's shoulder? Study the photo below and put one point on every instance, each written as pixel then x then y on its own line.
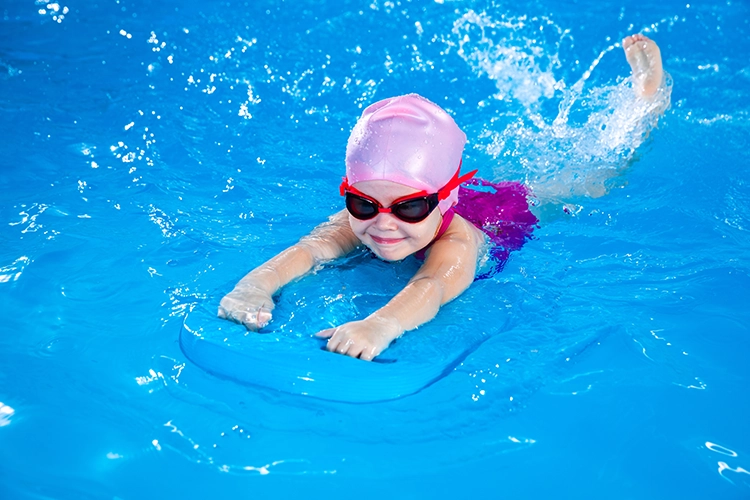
pixel 460 238
pixel 461 229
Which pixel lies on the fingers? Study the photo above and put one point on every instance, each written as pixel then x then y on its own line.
pixel 325 334
pixel 222 313
pixel 264 317
pixel 353 348
pixel 340 343
pixel 252 311
pixel 251 320
pixel 255 320
pixel 228 314
pixel 368 354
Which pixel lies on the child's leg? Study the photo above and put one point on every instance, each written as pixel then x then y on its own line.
pixel 588 157
pixel 644 58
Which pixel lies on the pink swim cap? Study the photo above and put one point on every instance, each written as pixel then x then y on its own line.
pixel 408 140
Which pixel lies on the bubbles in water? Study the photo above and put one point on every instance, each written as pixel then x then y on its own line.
pixel 7 71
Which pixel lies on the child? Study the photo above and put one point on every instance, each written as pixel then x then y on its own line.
pixel 402 198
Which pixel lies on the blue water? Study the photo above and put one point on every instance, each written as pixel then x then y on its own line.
pixel 154 152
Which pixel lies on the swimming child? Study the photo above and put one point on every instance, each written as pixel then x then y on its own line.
pixel 403 172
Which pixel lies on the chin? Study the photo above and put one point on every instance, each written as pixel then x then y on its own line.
pixel 390 255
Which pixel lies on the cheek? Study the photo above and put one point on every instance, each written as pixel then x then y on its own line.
pixel 358 227
pixel 425 230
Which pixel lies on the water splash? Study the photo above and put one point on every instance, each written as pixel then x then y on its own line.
pixel 590 142
pixel 513 52
pixel 596 131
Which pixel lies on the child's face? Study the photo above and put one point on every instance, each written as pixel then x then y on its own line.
pixel 387 236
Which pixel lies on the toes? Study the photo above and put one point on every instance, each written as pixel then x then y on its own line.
pixel 628 41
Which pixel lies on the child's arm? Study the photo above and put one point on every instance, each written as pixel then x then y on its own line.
pixel 251 302
pixel 448 271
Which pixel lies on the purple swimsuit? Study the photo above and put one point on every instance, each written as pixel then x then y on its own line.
pixel 500 210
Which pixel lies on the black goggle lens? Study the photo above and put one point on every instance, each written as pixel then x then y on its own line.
pixel 360 208
pixel 414 210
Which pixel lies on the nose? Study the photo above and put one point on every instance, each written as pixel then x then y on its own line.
pixel 385 222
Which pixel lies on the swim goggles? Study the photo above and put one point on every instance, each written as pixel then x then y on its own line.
pixel 412 208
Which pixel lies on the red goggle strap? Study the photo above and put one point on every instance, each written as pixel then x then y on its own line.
pixel 443 192
pixel 344 187
pixel 381 209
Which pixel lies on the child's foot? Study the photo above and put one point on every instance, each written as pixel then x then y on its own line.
pixel 644 58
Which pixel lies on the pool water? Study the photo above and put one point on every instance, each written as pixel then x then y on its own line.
pixel 153 153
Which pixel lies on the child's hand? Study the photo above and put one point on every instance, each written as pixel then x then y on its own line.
pixel 249 306
pixel 362 339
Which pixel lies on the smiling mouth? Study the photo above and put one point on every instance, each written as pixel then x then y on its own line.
pixel 386 241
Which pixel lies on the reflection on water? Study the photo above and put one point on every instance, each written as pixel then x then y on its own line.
pixel 726 469
pixel 192 143
pixel 5 413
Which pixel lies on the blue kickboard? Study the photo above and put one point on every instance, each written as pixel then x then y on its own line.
pixel 300 365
